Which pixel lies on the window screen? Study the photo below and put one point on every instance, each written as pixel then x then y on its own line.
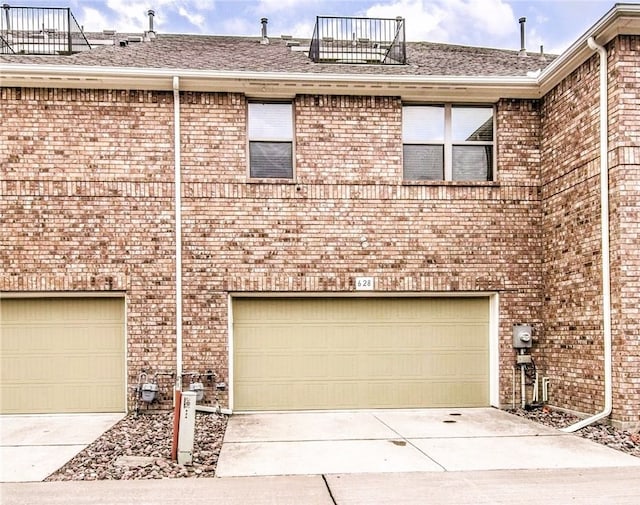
pixel 447 142
pixel 270 159
pixel 423 162
pixel 472 163
pixel 270 131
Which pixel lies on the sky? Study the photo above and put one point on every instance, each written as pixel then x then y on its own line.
pixel 555 24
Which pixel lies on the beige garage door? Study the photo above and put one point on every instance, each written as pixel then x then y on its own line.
pixel 62 355
pixel 324 353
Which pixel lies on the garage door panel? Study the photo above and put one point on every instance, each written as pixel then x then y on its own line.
pixel 62 355
pixel 360 353
pixel 20 368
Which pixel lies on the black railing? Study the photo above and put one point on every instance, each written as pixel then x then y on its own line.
pixel 40 30
pixel 358 40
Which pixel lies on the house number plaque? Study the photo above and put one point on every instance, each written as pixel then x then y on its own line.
pixel 364 283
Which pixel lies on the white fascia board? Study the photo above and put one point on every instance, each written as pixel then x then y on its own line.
pixel 270 84
pixel 622 19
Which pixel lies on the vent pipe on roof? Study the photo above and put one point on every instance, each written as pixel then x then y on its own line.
pixel 265 39
pixel 150 34
pixel 523 50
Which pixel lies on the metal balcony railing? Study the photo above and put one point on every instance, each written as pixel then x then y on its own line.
pixel 358 40
pixel 40 30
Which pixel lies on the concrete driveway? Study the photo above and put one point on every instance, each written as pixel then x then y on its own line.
pixel 34 446
pixel 433 440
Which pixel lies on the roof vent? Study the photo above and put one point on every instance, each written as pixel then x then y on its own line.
pixel 265 39
pixel 134 38
pixel 523 50
pixel 151 13
pixel 150 34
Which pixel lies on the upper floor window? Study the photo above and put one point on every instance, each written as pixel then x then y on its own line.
pixel 447 142
pixel 270 133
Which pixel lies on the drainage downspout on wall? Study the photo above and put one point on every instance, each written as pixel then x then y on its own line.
pixel 604 219
pixel 178 227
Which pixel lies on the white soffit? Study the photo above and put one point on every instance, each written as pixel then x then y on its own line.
pixel 271 85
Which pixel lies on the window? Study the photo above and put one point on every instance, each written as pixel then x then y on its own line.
pixel 447 142
pixel 270 134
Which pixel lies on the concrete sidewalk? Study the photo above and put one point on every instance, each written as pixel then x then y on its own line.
pixel 602 486
pixel 34 446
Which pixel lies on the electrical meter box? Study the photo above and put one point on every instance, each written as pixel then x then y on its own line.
pixel 149 391
pixel 522 338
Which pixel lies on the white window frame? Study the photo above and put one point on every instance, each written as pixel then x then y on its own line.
pixel 276 138
pixel 448 143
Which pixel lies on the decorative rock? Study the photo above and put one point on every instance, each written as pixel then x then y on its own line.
pixel 134 461
pixel 140 448
pixel 601 433
pixel 162 463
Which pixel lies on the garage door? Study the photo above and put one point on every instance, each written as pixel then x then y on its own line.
pixel 324 353
pixel 62 355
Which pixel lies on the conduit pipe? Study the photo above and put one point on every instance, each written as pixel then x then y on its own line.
pixel 213 410
pixel 604 219
pixel 178 227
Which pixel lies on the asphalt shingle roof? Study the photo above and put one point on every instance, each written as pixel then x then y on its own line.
pixel 227 53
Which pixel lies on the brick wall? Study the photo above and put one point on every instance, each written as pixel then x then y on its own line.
pixel 87 206
pixel 348 213
pixel 572 349
pixel 624 177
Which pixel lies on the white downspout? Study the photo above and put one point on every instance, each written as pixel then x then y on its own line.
pixel 604 219
pixel 178 219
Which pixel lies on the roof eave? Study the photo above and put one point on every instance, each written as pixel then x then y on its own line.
pixel 622 19
pixel 271 84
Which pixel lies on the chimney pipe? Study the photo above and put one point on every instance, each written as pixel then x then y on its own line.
pixel 523 50
pixel 151 13
pixel 265 39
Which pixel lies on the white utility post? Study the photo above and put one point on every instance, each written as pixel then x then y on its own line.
pixel 186 429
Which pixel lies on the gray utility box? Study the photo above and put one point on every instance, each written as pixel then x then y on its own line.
pixel 522 336
pixel 149 391
pixel 198 389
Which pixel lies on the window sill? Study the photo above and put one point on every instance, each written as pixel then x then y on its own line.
pixel 270 180
pixel 474 184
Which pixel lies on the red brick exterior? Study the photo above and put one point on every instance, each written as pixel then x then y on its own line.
pixel 624 180
pixel 87 205
pixel 572 347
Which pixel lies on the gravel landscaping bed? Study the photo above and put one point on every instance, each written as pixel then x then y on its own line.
pixel 140 448
pixel 604 434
